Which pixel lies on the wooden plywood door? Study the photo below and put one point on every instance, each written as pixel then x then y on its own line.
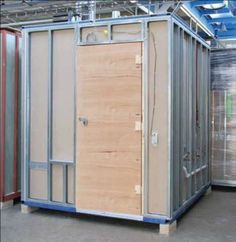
pixel 109 147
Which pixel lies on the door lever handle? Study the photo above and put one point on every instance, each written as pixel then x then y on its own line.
pixel 83 120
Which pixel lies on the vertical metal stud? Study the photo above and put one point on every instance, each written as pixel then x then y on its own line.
pixel 65 183
pixel 195 113
pixel 170 118
pixel 77 39
pixel 23 120
pixel 190 114
pixel 209 116
pixel 27 109
pixel 109 29
pixel 145 85
pixel 201 91
pixel 50 86
pixel 193 181
pixel 181 123
pixel 177 116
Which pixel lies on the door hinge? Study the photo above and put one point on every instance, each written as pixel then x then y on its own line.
pixel 138 189
pixel 138 59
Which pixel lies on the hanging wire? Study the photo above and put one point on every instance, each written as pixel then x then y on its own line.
pixel 154 81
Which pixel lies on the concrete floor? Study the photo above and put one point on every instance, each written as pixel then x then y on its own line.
pixel 213 218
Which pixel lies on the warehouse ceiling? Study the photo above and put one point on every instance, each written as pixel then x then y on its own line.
pixel 219 16
pixel 13 12
pixel 213 17
pixel 36 10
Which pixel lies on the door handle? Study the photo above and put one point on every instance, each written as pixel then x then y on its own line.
pixel 83 120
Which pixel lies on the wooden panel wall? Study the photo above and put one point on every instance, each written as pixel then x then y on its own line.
pixel 70 184
pixel 63 95
pixel 109 92
pixel 38 184
pixel 62 116
pixel 94 34
pixel 39 96
pixel 125 32
pixel 57 183
pixel 158 118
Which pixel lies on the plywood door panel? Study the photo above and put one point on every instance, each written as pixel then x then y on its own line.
pixel 109 93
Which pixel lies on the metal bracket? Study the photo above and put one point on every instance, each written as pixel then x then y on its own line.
pixel 155 138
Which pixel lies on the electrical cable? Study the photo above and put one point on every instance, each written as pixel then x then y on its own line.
pixel 154 82
pixel 91 37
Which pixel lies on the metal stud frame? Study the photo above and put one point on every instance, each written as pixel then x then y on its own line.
pixel 183 100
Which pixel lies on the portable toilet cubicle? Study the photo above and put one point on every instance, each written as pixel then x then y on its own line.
pixel 115 119
pixel 223 85
pixel 10 42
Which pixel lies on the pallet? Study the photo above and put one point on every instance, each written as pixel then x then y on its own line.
pixel 27 209
pixel 6 204
pixel 167 229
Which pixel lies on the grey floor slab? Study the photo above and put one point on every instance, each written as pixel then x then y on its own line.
pixel 213 218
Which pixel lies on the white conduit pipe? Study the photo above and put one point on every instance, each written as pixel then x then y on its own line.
pixel 188 175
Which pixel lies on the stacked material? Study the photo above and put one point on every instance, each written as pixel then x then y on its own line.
pixel 223 79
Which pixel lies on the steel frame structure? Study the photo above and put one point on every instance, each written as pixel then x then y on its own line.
pixel 173 211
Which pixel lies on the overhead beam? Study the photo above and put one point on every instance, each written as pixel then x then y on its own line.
pixel 231 26
pixel 144 9
pixel 204 12
pixel 222 20
pixel 26 23
pixel 232 6
pixel 197 7
pixel 204 2
pixel 203 35
pixel 200 19
pixel 226 34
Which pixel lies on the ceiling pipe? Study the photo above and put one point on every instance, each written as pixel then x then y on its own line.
pixel 190 14
pixel 144 9
pixel 92 11
pixel 26 23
